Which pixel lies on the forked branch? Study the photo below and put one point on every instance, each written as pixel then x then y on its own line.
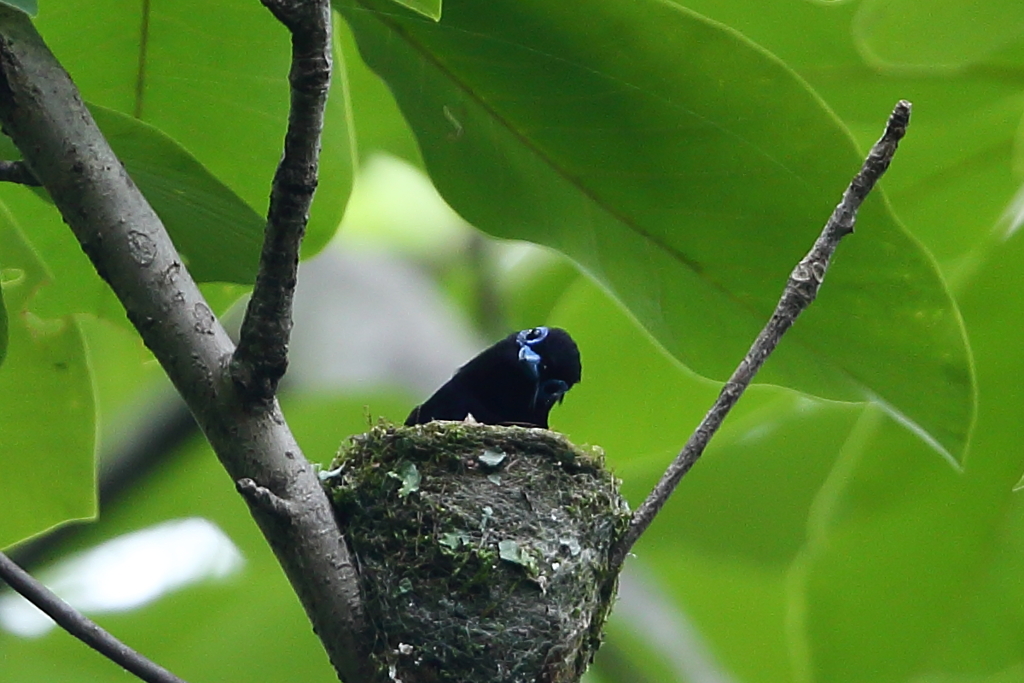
pixel 262 355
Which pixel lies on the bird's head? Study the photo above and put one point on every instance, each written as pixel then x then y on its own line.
pixel 550 358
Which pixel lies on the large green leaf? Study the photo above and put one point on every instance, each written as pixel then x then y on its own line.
pixel 428 8
pixel 686 170
pixel 895 541
pixel 376 121
pixel 218 235
pixel 900 547
pixel 212 76
pixel 953 178
pixel 941 34
pixel 3 322
pixel 47 420
pixel 901 583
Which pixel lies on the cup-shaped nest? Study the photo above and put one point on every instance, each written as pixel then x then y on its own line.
pixel 482 551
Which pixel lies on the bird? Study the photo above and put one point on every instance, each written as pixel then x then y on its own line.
pixel 514 382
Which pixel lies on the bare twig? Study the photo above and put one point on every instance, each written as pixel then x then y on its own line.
pixel 262 355
pixel 41 110
pixel 801 289
pixel 80 626
pixel 17 172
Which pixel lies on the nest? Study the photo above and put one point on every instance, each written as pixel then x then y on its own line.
pixel 482 551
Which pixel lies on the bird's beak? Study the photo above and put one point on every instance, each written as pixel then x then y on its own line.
pixel 552 390
pixel 555 388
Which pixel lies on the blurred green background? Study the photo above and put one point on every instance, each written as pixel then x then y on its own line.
pixel 644 174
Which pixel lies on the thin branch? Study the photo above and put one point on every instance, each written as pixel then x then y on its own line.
pixel 80 626
pixel 801 289
pixel 17 172
pixel 262 355
pixel 42 112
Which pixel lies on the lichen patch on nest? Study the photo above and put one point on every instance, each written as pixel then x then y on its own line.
pixel 482 550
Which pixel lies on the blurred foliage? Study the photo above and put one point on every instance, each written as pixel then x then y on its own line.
pixel 683 156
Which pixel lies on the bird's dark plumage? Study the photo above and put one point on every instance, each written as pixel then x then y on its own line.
pixel 516 381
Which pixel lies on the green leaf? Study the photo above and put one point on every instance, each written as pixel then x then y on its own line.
pixel 47 419
pixel 899 547
pixel 895 539
pixel 376 121
pixel 29 7
pixel 686 170
pixel 428 8
pixel 218 235
pixel 937 35
pixel 453 540
pixel 221 94
pixel 410 477
pixel 953 178
pixel 3 321
pixel 509 551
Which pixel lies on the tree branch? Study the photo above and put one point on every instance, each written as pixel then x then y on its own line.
pixel 801 289
pixel 80 626
pixel 41 110
pixel 17 172
pixel 262 355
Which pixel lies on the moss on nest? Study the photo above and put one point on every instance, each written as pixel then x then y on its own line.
pixel 482 550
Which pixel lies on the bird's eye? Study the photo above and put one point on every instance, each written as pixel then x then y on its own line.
pixel 533 335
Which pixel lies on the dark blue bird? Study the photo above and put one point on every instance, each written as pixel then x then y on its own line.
pixel 515 381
